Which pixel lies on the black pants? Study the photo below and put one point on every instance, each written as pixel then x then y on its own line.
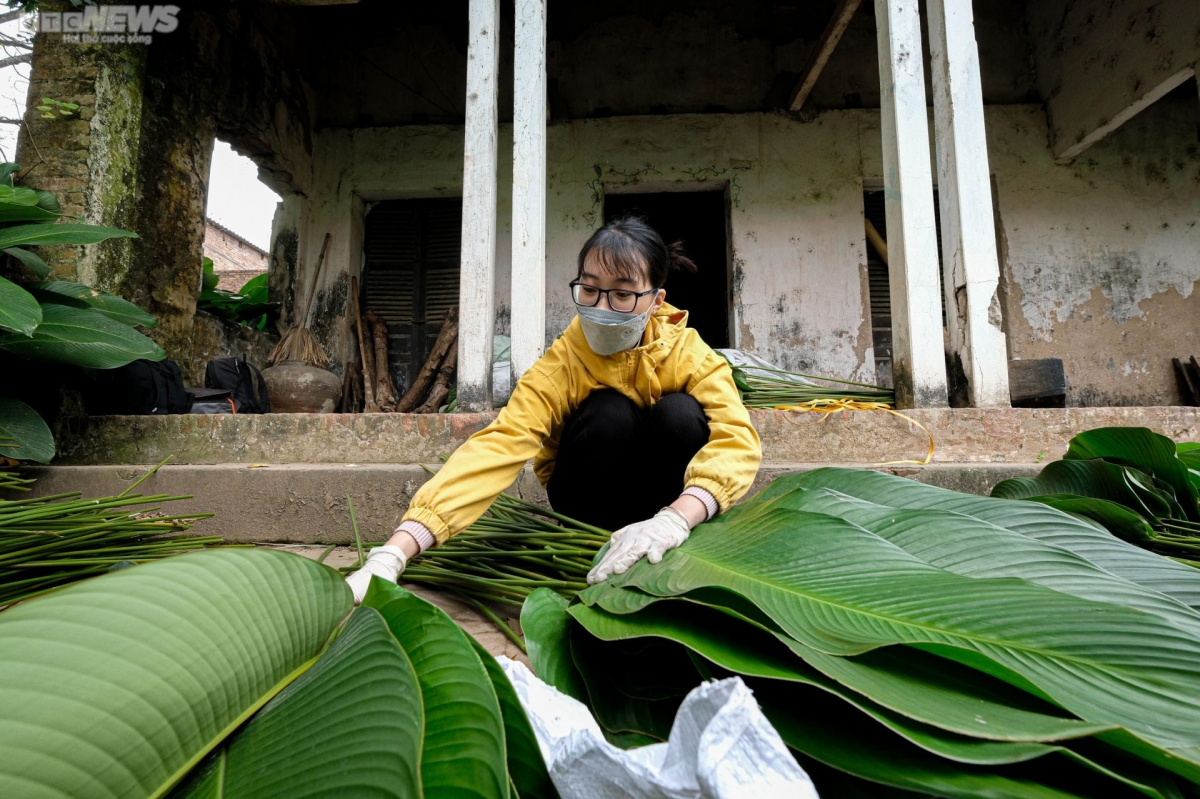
pixel 618 464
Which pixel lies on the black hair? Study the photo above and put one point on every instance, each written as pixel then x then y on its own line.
pixel 628 247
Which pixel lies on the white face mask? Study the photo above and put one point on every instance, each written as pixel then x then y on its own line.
pixel 608 332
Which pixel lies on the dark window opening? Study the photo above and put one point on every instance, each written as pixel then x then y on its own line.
pixel 698 219
pixel 411 275
pixel 880 286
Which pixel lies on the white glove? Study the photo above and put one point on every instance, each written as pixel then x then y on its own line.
pixel 650 539
pixel 387 562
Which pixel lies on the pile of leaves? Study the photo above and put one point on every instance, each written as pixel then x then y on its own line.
pixel 1141 486
pixel 56 321
pixel 247 306
pixel 905 640
pixel 248 672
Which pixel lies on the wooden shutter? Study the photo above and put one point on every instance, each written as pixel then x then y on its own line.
pixel 411 273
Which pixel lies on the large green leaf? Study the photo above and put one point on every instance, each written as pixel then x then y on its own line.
pixel 463 754
pixel 117 686
pixel 115 308
pixel 350 725
pixel 19 311
pixel 17 195
pixel 845 591
pixel 974 548
pixel 61 233
pixel 24 435
pixel 1142 449
pixel 1096 479
pixel 547 628
pixel 32 261
pixel 14 212
pixel 525 763
pixel 1117 519
pixel 83 337
pixel 1088 540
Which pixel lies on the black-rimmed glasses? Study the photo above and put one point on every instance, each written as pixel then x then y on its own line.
pixel 620 300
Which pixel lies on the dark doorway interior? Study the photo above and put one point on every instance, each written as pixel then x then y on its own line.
pixel 411 275
pixel 698 220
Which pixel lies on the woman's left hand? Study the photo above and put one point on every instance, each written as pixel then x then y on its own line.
pixel 650 539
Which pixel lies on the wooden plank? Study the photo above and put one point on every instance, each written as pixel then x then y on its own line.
pixel 1036 382
pixel 972 266
pixel 477 295
pixel 529 187
pixel 918 360
pixel 422 380
pixel 824 50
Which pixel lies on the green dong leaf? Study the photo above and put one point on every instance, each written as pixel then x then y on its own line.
pixel 119 685
pixel 61 233
pixel 115 308
pixel 463 753
pixel 1142 449
pixel 350 725
pixel 82 337
pixel 19 310
pixel 24 436
pixel 33 262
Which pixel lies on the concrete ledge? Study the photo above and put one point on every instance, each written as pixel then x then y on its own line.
pixel 962 436
pixel 306 503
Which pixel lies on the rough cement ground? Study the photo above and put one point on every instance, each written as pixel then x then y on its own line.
pixel 467 617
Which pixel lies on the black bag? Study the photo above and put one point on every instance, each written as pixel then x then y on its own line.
pixel 244 381
pixel 140 388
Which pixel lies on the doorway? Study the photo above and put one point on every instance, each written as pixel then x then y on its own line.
pixel 698 219
pixel 411 274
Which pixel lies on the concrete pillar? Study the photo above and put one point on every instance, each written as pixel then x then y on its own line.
pixel 971 268
pixel 529 187
pixel 918 363
pixel 477 302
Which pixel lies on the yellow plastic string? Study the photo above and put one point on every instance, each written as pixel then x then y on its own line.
pixel 827 407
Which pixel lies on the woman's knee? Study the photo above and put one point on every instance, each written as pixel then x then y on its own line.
pixel 609 410
pixel 682 417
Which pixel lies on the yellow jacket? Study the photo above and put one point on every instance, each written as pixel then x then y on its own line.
pixel 671 359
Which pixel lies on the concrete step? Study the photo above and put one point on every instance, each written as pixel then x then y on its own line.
pixel 305 503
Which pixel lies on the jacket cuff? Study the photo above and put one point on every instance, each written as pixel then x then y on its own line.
pixel 420 533
pixel 710 502
pixel 714 489
pixel 431 521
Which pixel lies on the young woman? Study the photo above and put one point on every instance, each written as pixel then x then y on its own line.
pixel 633 422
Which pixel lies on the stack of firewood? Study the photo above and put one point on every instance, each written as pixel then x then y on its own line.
pixel 367 385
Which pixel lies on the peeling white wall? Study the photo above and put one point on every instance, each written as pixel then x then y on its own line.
pixel 795 203
pixel 1100 257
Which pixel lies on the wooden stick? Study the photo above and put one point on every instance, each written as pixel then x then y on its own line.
pixel 441 388
pixel 351 388
pixel 312 287
pixel 420 384
pixel 385 391
pixel 877 241
pixel 368 366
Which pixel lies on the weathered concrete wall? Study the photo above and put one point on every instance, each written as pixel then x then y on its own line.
pixel 213 337
pixel 1100 258
pixel 793 190
pixel 1099 62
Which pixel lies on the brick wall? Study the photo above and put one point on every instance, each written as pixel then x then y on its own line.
pixel 235 260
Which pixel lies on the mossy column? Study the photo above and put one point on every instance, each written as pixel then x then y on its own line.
pixel 90 159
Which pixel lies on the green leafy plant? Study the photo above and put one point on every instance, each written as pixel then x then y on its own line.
pixel 248 306
pixel 1139 485
pixel 53 320
pixel 903 637
pixel 49 106
pixel 247 672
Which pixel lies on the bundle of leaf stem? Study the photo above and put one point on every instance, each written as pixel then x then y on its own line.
pixel 762 387
pixel 514 549
pixel 47 542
